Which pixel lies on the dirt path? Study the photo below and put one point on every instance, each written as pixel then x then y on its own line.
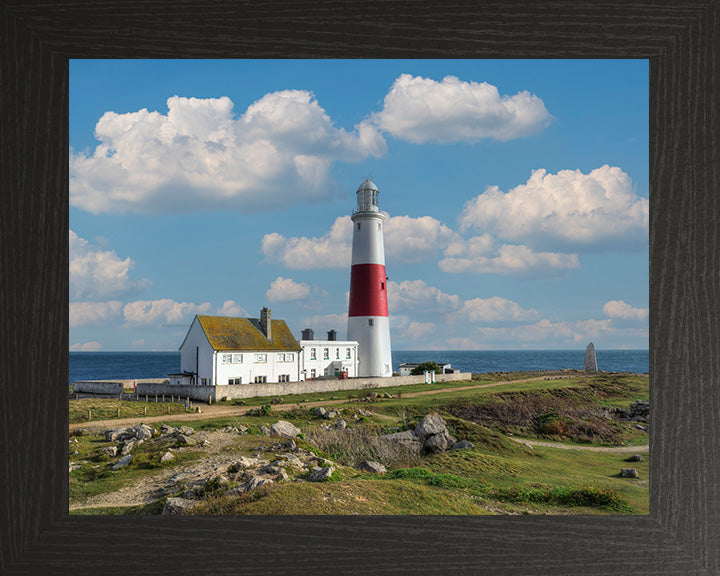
pixel 215 411
pixel 611 449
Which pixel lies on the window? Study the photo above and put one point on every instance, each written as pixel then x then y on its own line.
pixel 358 225
pixel 284 378
pixel 260 357
pixel 203 381
pixel 226 358
pixel 281 357
pixel 313 354
pixel 289 357
pixel 382 285
pixel 371 322
pixel 260 379
pixel 234 381
pixel 237 358
pixel 312 373
pixel 378 222
pixel 337 353
pixel 347 353
pixel 326 353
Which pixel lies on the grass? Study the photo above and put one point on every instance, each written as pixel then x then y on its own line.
pixel 497 476
pixel 107 409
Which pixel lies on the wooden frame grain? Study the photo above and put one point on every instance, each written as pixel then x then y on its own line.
pixel 682 533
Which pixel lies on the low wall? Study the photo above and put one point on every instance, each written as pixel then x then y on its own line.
pixel 204 393
pixel 114 387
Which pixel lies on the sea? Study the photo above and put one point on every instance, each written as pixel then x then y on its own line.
pixel 127 365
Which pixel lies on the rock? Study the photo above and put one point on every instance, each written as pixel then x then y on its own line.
pixel 124 461
pixel 74 453
pixel 165 429
pixel 430 424
pixel 257 482
pixel 320 474
pixel 129 445
pixel 167 457
pixel 462 445
pixel 189 494
pixel 371 466
pixel 330 414
pixel 341 424
pixel 387 395
pixel 319 411
pixel 186 440
pixel 289 445
pixel 635 458
pixel 236 491
pixel 143 432
pixel 186 430
pixel 73 441
pixel 242 429
pixel 293 460
pixel 641 427
pixel 230 429
pixel 590 358
pixel 283 476
pixel 449 439
pixel 73 466
pixel 265 430
pixel 81 432
pixel 116 434
pixel 366 413
pixel 435 443
pixel 284 429
pixel 176 506
pixel 204 443
pixel 110 450
pixel 276 401
pixel 628 473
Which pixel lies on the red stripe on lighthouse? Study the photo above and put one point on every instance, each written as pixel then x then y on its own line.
pixel 368 293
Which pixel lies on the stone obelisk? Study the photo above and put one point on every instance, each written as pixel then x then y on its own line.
pixel 590 358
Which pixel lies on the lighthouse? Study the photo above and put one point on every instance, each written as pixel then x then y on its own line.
pixel 368 309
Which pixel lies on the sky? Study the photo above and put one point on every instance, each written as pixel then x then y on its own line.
pixel 515 191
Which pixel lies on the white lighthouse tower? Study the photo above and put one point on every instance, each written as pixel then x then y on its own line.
pixel 368 310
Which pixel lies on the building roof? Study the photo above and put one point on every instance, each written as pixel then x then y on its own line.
pixel 230 333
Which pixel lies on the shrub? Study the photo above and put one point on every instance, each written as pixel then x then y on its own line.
pixel 429 366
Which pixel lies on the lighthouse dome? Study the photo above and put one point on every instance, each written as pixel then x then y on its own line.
pixel 367 195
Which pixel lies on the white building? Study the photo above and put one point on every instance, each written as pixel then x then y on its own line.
pixel 368 321
pixel 333 358
pixel 222 350
pixel 407 367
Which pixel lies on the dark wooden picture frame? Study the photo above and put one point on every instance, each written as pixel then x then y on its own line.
pixel 682 42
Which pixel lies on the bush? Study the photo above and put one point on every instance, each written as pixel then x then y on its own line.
pixel 429 366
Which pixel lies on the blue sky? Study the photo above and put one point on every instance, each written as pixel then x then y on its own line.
pixel 516 193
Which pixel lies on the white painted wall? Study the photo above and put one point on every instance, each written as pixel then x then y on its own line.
pixel 276 364
pixel 327 367
pixel 375 355
pixel 196 339
pixel 368 246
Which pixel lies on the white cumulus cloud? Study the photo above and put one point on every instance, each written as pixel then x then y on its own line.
pixel 324 322
pixel 543 331
pixel 422 110
pixel 481 256
pixel 163 312
pixel 232 308
pixel 86 347
pixel 416 295
pixel 99 274
pixel 286 289
pixel 82 313
pixel 492 310
pixel 278 153
pixel 619 309
pixel 567 207
pixel 406 239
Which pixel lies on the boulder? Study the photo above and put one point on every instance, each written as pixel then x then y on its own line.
pixel 462 445
pixel 330 414
pixel 265 430
pixel 407 440
pixel 143 432
pixel 319 411
pixel 165 429
pixel 129 445
pixel 116 434
pixel 204 443
pixel 341 424
pixel 176 506
pixel 187 430
pixel 284 429
pixel 110 450
pixel 628 473
pixel 371 466
pixel 430 424
pixel 186 440
pixel 635 458
pixel 283 476
pixel 435 443
pixel 124 461
pixel 321 474
pixel 167 457
pixel 289 445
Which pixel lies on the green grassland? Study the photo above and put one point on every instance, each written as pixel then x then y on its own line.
pixel 497 476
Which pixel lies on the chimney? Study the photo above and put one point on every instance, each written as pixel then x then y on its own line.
pixel 332 335
pixel 308 334
pixel 266 323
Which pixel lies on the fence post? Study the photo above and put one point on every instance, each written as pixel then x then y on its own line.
pixel 145 398
pixel 168 408
pixel 163 398
pixel 118 413
pixel 89 415
pixel 144 410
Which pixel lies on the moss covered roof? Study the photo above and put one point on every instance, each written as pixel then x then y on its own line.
pixel 229 333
